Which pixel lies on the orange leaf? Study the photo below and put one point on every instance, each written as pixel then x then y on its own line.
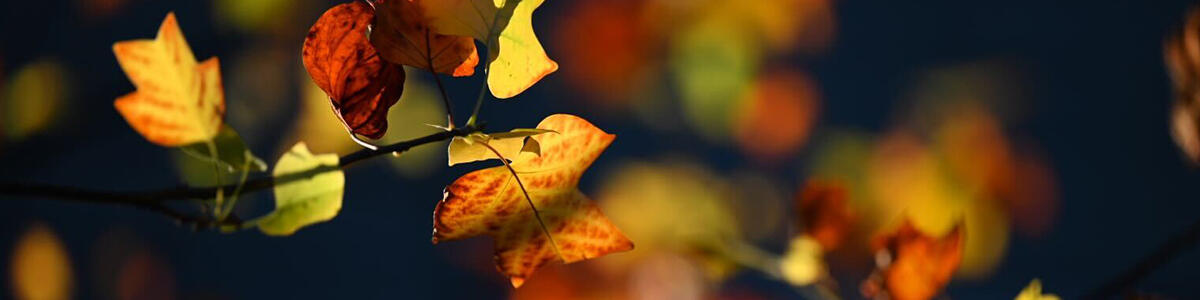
pixel 341 60
pixel 921 265
pixel 403 36
pixel 490 202
pixel 825 213
pixel 178 101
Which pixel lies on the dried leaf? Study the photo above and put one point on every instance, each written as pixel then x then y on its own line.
pixel 315 198
pixel 341 60
pixel 490 202
pixel 178 101
pixel 403 36
pixel 516 59
pixel 825 213
pixel 921 265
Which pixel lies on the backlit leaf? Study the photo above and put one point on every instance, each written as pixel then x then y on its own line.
pixel 921 265
pixel 178 101
pixel 317 197
pixel 340 59
pixel 1034 292
pixel 516 59
pixel 510 145
pixel 490 202
pixel 232 153
pixel 403 36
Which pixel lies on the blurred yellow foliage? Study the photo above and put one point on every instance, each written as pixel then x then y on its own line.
pixel 33 98
pixel 41 267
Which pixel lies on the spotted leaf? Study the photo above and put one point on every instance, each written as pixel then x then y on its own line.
pixel 492 202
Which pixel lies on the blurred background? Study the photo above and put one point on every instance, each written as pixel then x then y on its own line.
pixel 1042 126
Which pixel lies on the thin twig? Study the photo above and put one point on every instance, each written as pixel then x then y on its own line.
pixel 1173 247
pixel 155 200
pixel 445 96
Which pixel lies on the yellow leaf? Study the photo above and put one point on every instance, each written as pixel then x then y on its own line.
pixel 41 268
pixel 178 101
pixel 510 144
pixel 315 198
pixel 803 264
pixel 1034 292
pixel 516 59
pixel 490 202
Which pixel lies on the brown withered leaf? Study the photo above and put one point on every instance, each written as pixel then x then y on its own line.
pixel 403 36
pixel 825 213
pixel 492 202
pixel 920 265
pixel 340 59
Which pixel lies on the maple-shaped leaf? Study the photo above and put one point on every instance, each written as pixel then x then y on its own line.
pixel 403 36
pixel 825 213
pixel 178 101
pixel 493 202
pixel 516 59
pixel 921 265
pixel 340 60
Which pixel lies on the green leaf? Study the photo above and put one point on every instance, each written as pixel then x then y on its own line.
pixel 316 196
pixel 233 156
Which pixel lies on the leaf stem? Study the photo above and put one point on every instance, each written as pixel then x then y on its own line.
pixel 156 200
pixel 441 88
pixel 220 193
pixel 537 215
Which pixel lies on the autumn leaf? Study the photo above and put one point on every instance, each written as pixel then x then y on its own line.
pixel 1034 292
pixel 1183 64
pixel 178 101
pixel 341 60
pixel 491 202
pixel 825 213
pixel 475 147
pixel 232 153
pixel 403 36
pixel 516 59
pixel 314 198
pixel 921 265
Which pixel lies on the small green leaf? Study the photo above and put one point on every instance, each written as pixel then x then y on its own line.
pixel 231 151
pixel 313 198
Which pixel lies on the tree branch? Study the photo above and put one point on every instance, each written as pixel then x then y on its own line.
pixel 1173 247
pixel 156 200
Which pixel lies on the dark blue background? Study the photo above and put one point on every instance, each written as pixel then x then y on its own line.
pixel 1097 88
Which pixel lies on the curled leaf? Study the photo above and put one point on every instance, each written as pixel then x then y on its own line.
pixel 516 59
pixel 403 36
pixel 313 198
pixel 178 101
pixel 493 202
pixel 340 60
pixel 510 144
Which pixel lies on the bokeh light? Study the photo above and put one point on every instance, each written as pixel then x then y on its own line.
pixel 40 266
